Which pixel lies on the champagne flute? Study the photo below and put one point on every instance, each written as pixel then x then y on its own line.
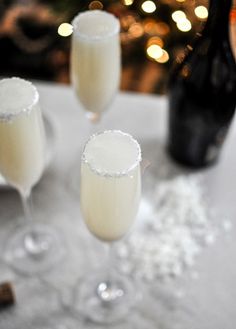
pixel 95 66
pixel 95 60
pixel 33 247
pixel 110 196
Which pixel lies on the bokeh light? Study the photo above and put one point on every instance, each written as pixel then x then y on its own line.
pixel 65 29
pixel 164 57
pixel 184 25
pixel 155 41
pixel 136 30
pixel 201 12
pixel 178 15
pixel 128 2
pixel 148 6
pixel 157 53
pixel 95 5
pixel 154 51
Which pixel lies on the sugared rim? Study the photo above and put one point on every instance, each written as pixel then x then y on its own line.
pixel 77 18
pixel 117 173
pixel 6 116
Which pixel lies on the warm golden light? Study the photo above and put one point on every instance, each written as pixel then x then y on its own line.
pixel 65 29
pixel 136 30
pixel 152 27
pixel 184 25
pixel 126 21
pixel 155 41
pixel 128 2
pixel 154 51
pixel 201 12
pixel 148 6
pixel 164 58
pixel 178 15
pixel 163 28
pixel 180 0
pixel 95 5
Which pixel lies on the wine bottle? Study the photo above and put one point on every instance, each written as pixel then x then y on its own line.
pixel 202 92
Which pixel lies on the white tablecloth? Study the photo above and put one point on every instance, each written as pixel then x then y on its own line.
pixel 206 302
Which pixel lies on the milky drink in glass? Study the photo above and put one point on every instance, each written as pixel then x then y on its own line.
pixel 110 184
pixel 95 59
pixel 22 137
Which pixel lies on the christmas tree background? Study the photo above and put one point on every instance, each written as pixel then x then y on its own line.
pixel 151 38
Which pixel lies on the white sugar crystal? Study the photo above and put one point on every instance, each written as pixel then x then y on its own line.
pixel 176 233
pixel 227 225
pixel 210 238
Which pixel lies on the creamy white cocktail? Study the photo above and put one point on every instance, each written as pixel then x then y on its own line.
pixel 95 60
pixel 110 195
pixel 110 184
pixel 33 247
pixel 22 138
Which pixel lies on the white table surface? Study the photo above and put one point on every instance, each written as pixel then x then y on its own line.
pixel 207 303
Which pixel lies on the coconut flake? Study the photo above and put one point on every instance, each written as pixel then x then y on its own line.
pixel 178 229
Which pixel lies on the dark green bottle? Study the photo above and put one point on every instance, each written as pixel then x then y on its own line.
pixel 202 92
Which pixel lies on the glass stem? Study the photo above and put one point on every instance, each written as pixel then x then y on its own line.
pixel 26 199
pixel 34 242
pixel 109 262
pixel 109 290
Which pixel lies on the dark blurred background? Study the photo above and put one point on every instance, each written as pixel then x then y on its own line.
pixel 35 41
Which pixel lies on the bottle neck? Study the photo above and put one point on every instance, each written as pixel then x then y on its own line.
pixel 218 17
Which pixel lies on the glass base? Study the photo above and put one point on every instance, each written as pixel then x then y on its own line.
pixel 106 301
pixel 33 249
